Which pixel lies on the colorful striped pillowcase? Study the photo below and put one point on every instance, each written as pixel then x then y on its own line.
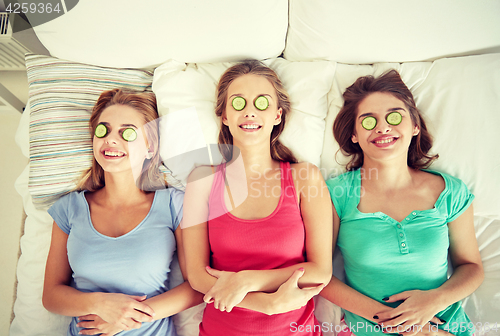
pixel 61 97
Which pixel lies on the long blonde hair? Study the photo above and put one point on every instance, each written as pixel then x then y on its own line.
pixel 144 103
pixel 278 151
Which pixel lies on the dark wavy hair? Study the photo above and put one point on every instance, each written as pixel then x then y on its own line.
pixel 344 124
pixel 278 151
pixel 145 104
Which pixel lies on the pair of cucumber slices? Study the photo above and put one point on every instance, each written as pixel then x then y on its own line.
pixel 128 134
pixel 393 118
pixel 261 103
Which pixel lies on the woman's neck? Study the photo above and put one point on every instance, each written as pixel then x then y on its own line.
pixel 255 160
pixel 120 189
pixel 249 166
pixel 387 175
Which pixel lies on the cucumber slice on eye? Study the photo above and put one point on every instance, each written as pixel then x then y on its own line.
pixel 394 118
pixel 129 134
pixel 101 131
pixel 261 103
pixel 369 123
pixel 239 103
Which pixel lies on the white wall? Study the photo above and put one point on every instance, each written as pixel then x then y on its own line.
pixel 12 163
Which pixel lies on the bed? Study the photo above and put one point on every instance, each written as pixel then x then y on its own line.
pixel 448 53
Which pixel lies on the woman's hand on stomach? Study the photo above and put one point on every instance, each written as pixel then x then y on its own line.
pixel 123 311
pixel 94 325
pixel 417 309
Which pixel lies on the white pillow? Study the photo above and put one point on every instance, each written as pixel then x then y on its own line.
pixel 192 91
pixel 141 34
pixel 308 84
pixel 366 31
pixel 459 100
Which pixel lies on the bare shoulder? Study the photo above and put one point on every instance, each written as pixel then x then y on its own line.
pixel 202 173
pixel 200 180
pixel 306 173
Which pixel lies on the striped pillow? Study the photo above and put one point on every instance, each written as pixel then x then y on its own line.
pixel 61 97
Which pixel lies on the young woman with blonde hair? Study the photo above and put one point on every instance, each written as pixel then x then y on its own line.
pixel 255 227
pixel 113 240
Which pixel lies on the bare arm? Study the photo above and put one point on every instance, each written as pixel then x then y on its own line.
pixel 194 230
pixel 59 297
pixel 468 271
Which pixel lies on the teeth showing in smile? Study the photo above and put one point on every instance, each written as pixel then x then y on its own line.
pixel 385 141
pixel 253 126
pixel 109 153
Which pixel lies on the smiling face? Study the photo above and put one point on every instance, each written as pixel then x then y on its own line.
pixel 384 141
pixel 114 153
pixel 251 122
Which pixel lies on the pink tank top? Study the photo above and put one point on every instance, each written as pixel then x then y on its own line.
pixel 275 241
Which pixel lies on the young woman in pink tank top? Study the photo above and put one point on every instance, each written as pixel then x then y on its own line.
pixel 257 229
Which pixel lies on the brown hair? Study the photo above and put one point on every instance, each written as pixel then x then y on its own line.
pixel 278 151
pixel 145 104
pixel 343 127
